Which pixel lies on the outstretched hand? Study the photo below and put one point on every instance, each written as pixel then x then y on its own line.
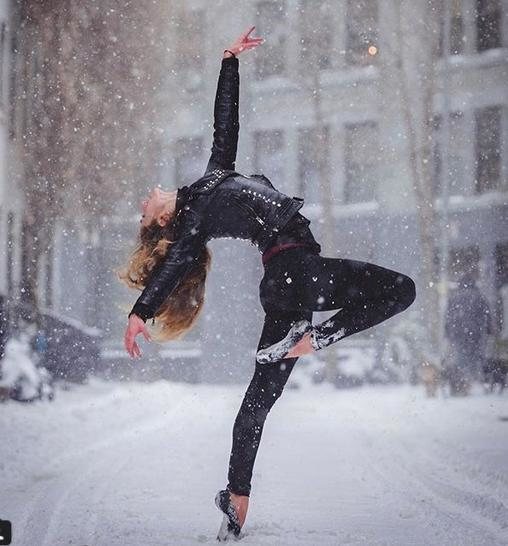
pixel 244 42
pixel 136 326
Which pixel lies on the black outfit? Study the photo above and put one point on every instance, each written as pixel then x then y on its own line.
pixel 367 294
pixel 297 280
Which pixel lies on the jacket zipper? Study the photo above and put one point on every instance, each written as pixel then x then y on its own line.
pixel 249 210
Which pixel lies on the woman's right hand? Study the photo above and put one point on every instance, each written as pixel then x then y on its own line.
pixel 136 326
pixel 243 42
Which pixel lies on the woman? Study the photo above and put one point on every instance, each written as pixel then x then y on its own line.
pixel 171 262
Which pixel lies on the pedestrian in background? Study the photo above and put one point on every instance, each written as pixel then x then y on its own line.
pixel 467 326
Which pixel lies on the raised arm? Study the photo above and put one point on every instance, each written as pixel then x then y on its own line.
pixel 226 124
pixel 190 240
pixel 225 114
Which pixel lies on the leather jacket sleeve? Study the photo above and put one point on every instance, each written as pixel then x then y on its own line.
pixel 226 125
pixel 180 258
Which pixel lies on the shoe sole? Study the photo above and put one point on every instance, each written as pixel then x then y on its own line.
pixel 279 350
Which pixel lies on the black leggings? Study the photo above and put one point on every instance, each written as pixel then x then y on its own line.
pixel 296 283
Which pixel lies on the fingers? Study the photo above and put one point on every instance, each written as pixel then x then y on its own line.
pixel 135 351
pixel 132 347
pixel 246 34
pixel 245 42
pixel 130 343
pixel 254 42
pixel 146 334
pixel 251 44
pixel 127 342
pixel 245 39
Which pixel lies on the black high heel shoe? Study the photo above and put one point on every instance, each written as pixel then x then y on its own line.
pixel 230 527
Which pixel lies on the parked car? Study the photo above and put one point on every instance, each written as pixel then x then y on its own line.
pixel 64 346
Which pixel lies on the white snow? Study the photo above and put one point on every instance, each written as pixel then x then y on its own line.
pixel 19 371
pixel 17 366
pixel 132 463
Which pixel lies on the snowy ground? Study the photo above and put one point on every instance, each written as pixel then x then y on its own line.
pixel 127 464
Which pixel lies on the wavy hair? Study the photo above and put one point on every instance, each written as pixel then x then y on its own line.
pixel 181 309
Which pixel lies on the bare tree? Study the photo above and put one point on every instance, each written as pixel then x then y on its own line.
pixel 87 105
pixel 315 50
pixel 411 70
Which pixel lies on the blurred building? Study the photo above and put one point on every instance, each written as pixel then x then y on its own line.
pixel 318 115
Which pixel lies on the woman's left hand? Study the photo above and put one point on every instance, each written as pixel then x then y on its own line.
pixel 244 42
pixel 136 326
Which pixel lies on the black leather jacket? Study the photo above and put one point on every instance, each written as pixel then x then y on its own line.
pixel 224 203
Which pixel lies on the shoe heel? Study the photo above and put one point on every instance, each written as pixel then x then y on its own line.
pixel 230 528
pixel 223 533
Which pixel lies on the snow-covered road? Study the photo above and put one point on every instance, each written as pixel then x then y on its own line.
pixel 139 464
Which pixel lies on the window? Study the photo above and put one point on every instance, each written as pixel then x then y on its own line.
pixel 25 80
pixel 48 276
pixel 362 32
pixel 316 34
pixel 190 25
pixel 502 288
pixel 271 22
pixel 312 148
pixel 502 264
pixel 459 138
pixel 461 260
pixel 189 164
pixel 437 160
pixel 13 83
pixel 488 24
pixel 457 150
pixel 361 155
pixel 269 155
pixel 464 260
pixel 3 39
pixel 10 254
pixel 488 148
pixel 457 30
pixel 457 33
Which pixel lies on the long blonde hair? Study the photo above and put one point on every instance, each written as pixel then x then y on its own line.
pixel 180 310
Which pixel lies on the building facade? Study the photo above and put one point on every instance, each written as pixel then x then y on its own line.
pixel 318 116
